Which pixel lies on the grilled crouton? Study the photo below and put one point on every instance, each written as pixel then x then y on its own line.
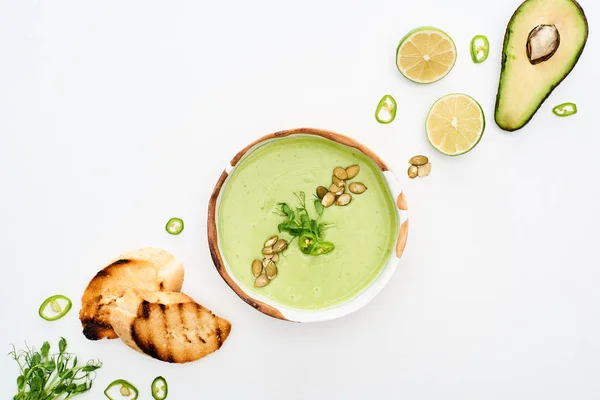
pixel 170 327
pixel 149 269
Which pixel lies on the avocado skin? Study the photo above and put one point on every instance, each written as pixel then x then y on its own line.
pixel 551 88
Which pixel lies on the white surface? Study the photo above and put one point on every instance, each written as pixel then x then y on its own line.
pixel 117 115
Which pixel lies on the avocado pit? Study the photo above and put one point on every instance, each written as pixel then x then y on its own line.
pixel 542 44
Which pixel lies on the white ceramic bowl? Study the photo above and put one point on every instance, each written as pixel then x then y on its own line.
pixel 268 306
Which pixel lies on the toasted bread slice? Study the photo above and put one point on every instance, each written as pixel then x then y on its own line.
pixel 149 269
pixel 170 327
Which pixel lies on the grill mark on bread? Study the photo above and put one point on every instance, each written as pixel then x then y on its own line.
pixel 93 330
pixel 141 338
pixel 198 310
pixel 102 273
pixel 135 336
pixel 180 311
pixel 218 333
pixel 166 331
pixel 144 311
pixel 151 351
pixel 122 261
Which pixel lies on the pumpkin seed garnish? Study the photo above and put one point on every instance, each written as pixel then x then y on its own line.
pixel 271 271
pixel 271 241
pixel 424 170
pixel 275 258
pixel 337 181
pixel 267 250
pixel 328 199
pixel 344 199
pixel 418 161
pixel 279 246
pixel 321 192
pixel 257 268
pixel 334 188
pixel 413 171
pixel 340 173
pixel 357 188
pixel 261 281
pixel 352 171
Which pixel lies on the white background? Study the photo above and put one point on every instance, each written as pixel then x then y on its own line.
pixel 117 115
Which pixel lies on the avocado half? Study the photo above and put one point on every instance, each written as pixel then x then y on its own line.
pixel 543 42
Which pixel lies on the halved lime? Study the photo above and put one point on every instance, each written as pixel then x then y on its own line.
pixel 455 124
pixel 426 55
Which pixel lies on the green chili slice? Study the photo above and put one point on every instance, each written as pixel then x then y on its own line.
pixel 480 49
pixel 174 226
pixel 306 241
pixel 386 109
pixel 160 389
pixel 52 309
pixel 121 388
pixel 565 109
pixel 321 248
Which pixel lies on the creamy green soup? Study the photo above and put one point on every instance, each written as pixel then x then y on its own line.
pixel 364 232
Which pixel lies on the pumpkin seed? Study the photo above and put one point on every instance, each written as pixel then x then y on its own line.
pixel 425 170
pixel 271 271
pixel 352 171
pixel 334 188
pixel 275 258
pixel 328 199
pixel 344 199
pixel 280 246
pixel 357 188
pixel 267 250
pixel 413 172
pixel 337 181
pixel 418 161
pixel 271 241
pixel 340 173
pixel 321 192
pixel 257 267
pixel 261 281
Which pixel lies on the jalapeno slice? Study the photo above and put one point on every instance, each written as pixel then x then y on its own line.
pixel 174 226
pixel 55 307
pixel 565 109
pixel 480 49
pixel 306 241
pixel 160 389
pixel 121 388
pixel 386 109
pixel 320 248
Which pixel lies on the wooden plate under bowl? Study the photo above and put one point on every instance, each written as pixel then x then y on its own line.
pixel 267 306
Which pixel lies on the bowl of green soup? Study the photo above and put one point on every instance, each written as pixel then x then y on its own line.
pixel 307 225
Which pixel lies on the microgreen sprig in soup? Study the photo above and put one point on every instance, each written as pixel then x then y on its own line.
pixel 300 225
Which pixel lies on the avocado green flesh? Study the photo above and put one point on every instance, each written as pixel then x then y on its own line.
pixel 364 232
pixel 524 87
